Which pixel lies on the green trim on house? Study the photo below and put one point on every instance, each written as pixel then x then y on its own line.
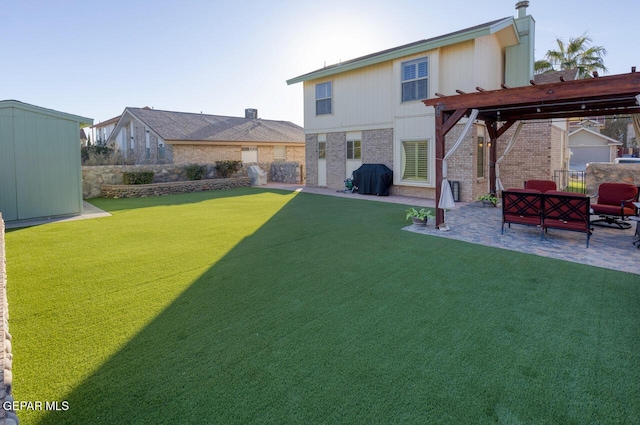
pixel 410 49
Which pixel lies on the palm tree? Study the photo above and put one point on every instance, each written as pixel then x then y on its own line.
pixel 577 53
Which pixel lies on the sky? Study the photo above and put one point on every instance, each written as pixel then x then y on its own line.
pixel 93 58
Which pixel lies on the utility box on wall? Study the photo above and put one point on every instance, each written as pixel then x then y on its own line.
pixel 40 174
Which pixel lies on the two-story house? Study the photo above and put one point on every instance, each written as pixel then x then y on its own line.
pixel 369 110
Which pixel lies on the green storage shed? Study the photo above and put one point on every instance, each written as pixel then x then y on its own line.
pixel 40 172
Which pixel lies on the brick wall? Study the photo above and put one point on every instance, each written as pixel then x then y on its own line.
pixel 311 159
pixel 533 155
pixel 377 147
pixel 336 160
pixel 537 153
pixel 200 154
pixel 462 165
pixel 138 154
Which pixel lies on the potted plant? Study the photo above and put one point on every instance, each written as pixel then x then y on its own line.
pixel 419 216
pixel 489 200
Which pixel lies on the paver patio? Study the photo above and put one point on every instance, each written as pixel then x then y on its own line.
pixel 610 248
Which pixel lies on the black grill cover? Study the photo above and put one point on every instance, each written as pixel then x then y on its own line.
pixel 373 179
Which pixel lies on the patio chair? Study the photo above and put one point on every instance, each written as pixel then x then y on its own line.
pixel 541 185
pixel 615 204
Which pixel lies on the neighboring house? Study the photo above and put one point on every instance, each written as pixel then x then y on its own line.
pixel 369 110
pixel 40 173
pixel 588 145
pixel 99 133
pixel 83 137
pixel 150 136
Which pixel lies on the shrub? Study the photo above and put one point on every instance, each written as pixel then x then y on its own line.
pixel 137 177
pixel 101 154
pixel 227 168
pixel 195 171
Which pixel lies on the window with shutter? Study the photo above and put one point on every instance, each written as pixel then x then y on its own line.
pixel 415 160
pixel 414 80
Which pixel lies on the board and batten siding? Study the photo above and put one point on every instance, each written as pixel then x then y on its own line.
pixel 361 100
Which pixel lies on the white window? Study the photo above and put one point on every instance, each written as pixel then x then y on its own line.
pixel 415 160
pixel 354 149
pixel 323 98
pixel 249 154
pixel 414 80
pixel 133 136
pixel 279 153
pixel 322 150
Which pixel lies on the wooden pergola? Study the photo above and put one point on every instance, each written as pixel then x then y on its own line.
pixel 500 109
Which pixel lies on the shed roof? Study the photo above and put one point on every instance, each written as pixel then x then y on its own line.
pixel 185 126
pixel 82 121
pixel 413 48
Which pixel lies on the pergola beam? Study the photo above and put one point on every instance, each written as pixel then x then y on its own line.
pixel 610 95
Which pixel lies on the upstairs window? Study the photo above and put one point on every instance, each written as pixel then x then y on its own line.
pixel 414 80
pixel 323 98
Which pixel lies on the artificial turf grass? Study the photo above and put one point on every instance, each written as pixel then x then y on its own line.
pixel 329 313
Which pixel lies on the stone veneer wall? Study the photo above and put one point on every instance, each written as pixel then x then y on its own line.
pixel 158 189
pixel 94 177
pixel 7 417
pixel 598 173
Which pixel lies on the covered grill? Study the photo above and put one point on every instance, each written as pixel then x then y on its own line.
pixel 373 179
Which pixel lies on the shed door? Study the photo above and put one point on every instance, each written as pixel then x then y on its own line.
pixel 49 179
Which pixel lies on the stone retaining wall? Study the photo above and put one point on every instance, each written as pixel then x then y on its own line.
pixel 158 189
pixel 7 417
pixel 93 177
pixel 285 172
pixel 598 173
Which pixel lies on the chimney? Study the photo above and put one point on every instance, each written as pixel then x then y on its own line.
pixel 521 7
pixel 251 113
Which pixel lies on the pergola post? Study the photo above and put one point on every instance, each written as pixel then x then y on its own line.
pixel 444 123
pixel 439 156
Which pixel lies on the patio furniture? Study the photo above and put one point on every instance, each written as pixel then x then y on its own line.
pixel 566 211
pixel 549 210
pixel 541 185
pixel 615 204
pixel 521 206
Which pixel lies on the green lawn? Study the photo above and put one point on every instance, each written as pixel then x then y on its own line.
pixel 266 307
